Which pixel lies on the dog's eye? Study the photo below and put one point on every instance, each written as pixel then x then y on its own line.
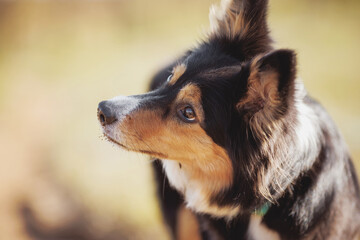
pixel 187 114
pixel 169 78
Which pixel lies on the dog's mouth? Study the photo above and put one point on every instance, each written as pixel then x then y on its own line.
pixel 151 153
pixel 116 142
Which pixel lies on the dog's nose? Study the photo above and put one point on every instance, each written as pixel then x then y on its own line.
pixel 105 113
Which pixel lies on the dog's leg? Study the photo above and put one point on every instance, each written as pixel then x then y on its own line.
pixel 222 229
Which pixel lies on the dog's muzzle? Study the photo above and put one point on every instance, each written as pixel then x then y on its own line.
pixel 113 110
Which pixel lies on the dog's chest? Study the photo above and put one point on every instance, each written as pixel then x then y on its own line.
pixel 259 231
pixel 177 177
pixel 198 201
pixel 196 193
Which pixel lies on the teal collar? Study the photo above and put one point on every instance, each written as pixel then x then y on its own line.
pixel 263 210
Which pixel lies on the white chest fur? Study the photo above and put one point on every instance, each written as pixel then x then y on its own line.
pixel 258 231
pixel 196 193
pixel 176 176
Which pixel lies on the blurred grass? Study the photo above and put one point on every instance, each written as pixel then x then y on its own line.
pixel 58 59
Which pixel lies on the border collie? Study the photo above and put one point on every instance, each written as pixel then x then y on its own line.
pixel 237 140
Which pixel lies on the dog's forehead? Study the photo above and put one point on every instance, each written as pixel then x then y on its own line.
pixel 202 75
pixel 204 69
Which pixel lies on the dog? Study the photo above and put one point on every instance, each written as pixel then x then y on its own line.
pixel 238 141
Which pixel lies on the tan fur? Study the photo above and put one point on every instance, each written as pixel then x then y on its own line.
pixel 197 188
pixel 262 98
pixel 228 20
pixel 205 166
pixel 177 72
pixel 192 94
pixel 146 131
pixel 187 226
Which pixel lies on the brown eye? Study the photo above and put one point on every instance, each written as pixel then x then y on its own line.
pixel 187 114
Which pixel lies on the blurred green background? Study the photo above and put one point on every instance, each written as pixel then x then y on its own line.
pixel 58 59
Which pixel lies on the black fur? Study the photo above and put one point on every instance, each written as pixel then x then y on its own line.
pixel 320 181
pixel 281 216
pixel 211 227
pixel 169 198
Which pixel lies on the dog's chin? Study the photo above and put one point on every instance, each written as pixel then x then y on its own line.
pixel 112 140
pixel 109 136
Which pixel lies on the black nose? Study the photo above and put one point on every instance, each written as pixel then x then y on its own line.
pixel 105 113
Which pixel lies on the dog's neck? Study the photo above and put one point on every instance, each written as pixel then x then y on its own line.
pixel 197 192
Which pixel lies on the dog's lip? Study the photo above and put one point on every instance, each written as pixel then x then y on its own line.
pixel 156 154
pixel 116 142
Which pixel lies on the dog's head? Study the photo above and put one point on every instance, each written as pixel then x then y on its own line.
pixel 221 111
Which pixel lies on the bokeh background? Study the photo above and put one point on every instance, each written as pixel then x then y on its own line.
pixel 59 58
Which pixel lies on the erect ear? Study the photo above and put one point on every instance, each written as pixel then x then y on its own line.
pixel 270 89
pixel 242 22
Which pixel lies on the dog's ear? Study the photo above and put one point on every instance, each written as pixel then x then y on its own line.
pixel 242 22
pixel 270 90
